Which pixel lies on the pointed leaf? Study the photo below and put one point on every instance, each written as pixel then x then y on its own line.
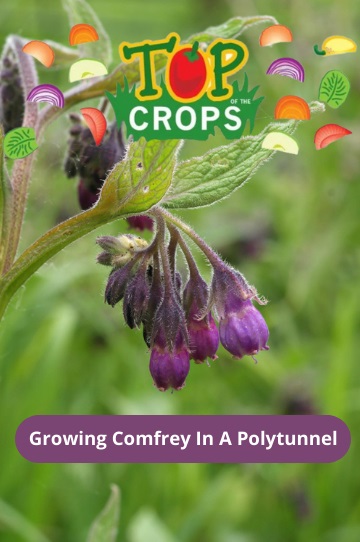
pixel 232 28
pixel 79 11
pixel 105 526
pixel 142 179
pixel 20 142
pixel 207 179
pixel 11 520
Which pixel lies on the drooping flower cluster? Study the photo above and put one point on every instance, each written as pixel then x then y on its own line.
pixel 91 164
pixel 178 322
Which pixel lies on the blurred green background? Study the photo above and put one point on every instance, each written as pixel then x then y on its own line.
pixel 293 231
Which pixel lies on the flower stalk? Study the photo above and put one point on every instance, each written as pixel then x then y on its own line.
pixel 20 176
pixel 204 247
pixel 161 229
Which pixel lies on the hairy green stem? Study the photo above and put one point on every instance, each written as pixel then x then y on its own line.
pixel 213 258
pixel 172 246
pixel 161 229
pixel 22 168
pixel 204 247
pixel 20 176
pixel 194 272
pixel 5 203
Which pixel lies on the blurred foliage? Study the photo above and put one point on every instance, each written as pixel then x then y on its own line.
pixel 293 231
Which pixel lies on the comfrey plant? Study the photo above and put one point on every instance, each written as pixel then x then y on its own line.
pixel 143 182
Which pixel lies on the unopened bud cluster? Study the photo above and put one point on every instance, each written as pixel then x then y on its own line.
pixel 119 250
pixel 91 164
pixel 11 94
pixel 178 321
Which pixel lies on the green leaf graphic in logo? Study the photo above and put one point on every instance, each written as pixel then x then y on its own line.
pixel 20 142
pixel 334 88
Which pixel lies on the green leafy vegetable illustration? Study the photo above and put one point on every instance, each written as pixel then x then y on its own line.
pixel 20 142
pixel 334 88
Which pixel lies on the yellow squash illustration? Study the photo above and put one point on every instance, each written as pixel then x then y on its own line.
pixel 336 45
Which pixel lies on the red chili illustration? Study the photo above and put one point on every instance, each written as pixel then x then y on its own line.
pixel 187 72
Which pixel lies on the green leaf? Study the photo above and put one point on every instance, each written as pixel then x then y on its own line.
pixel 20 142
pixel 207 179
pixel 12 520
pixel 78 12
pixel 141 180
pixel 105 526
pixel 232 28
pixel 334 88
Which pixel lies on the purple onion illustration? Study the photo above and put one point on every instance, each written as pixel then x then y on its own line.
pixel 47 93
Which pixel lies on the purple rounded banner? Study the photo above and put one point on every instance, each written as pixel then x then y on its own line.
pixel 183 439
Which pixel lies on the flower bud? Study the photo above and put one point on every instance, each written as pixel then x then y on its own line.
pixel 227 285
pixel 203 333
pixel 12 104
pixel 178 285
pixel 87 198
pixel 131 242
pixel 119 250
pixel 136 298
pixel 203 338
pixel 243 330
pixel 104 258
pixel 141 222
pixel 90 162
pixel 169 367
pixel 170 358
pixel 118 260
pixel 115 288
pixel 195 296
pixel 155 300
pixel 170 320
pixel 110 244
